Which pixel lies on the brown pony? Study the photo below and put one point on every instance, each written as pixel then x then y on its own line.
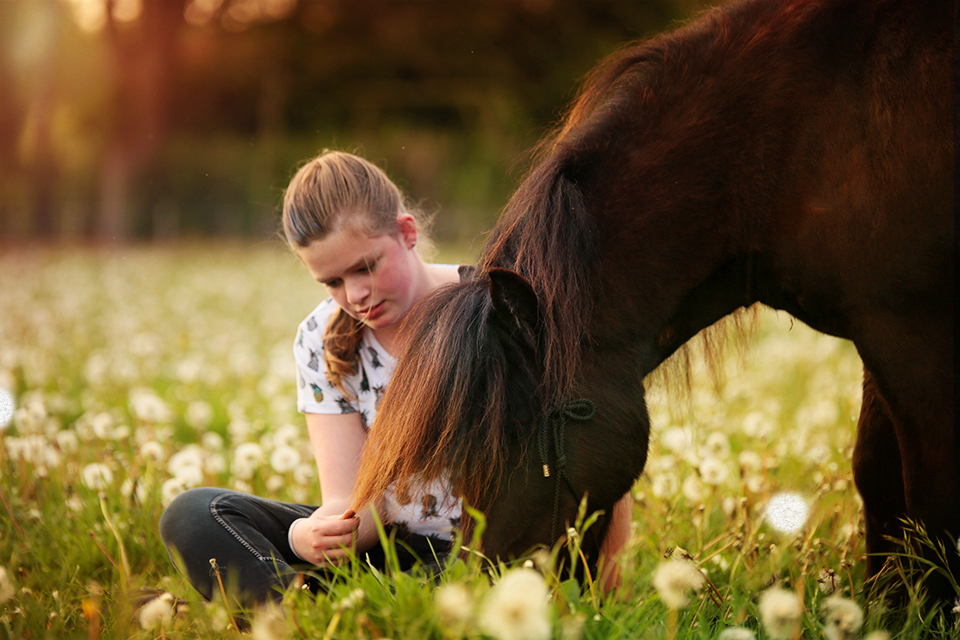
pixel 793 153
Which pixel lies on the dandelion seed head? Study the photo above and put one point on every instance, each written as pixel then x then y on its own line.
pixel 246 457
pixel 269 623
pixel 212 440
pixel 352 600
pixel 152 450
pixel 692 488
pixel 156 613
pixel 842 618
pixel 170 489
pixel 454 604
pixel 97 476
pixel 199 414
pixel 147 406
pixel 737 633
pixel 67 440
pixel 190 457
pixel 517 607
pixel 284 458
pixel 677 439
pixel 877 635
pixel 780 612
pixel 7 589
pixel 713 471
pixel 675 579
pixel 718 444
pixel 787 512
pixel 7 407
pixel 189 476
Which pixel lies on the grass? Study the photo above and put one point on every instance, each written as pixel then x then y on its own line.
pixel 145 360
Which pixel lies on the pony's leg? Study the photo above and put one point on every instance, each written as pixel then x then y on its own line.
pixel 878 475
pixel 904 462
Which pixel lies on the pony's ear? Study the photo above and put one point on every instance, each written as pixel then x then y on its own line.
pixel 514 302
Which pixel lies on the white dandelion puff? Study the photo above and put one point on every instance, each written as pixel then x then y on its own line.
pixel 664 485
pixel 156 613
pixel 147 406
pixel 170 489
pixel 353 599
pixel 287 436
pixel 97 476
pixel 780 612
pixel 67 441
pixel 7 408
pixel 713 471
pixel 303 474
pixel 674 580
pixel 214 464
pixel 189 476
pixel 246 457
pixel 718 444
pixel 677 439
pixel 692 489
pixel 274 483
pixel 212 440
pixel 102 425
pixel 787 512
pixel 750 462
pixel 284 458
pixel 152 450
pixel 517 607
pixel 190 456
pixel 842 618
pixel 737 633
pixel 877 635
pixel 7 589
pixel 454 605
pixel 269 623
pixel 199 414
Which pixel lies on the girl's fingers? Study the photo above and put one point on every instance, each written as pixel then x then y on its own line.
pixel 336 527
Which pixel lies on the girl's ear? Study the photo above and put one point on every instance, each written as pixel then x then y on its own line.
pixel 407 227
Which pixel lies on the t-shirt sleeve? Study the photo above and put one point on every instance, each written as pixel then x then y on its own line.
pixel 314 393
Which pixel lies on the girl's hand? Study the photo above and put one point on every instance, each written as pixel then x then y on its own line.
pixel 322 540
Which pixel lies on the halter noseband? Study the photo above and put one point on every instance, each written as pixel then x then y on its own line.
pixel 556 417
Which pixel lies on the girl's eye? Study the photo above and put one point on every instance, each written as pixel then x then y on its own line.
pixel 332 284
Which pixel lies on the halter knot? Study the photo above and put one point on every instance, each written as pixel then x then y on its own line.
pixel 555 422
pixel 579 410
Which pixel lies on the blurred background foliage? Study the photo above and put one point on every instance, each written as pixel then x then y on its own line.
pixel 160 119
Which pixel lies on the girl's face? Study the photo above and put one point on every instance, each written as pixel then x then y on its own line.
pixel 372 278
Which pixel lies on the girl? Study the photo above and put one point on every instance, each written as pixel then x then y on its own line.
pixel 348 224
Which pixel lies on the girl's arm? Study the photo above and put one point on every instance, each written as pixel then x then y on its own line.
pixel 618 533
pixel 337 441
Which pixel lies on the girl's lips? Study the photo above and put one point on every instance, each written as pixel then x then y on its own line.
pixel 372 313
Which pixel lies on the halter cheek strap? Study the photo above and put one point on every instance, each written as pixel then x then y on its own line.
pixel 554 424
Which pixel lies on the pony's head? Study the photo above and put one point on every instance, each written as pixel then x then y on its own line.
pixel 464 395
pixel 466 403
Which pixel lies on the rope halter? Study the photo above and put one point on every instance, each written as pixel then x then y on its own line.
pixel 554 424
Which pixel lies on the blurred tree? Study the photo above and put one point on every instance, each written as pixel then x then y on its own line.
pixel 159 118
pixel 142 59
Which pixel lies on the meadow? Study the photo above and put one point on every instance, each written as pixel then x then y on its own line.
pixel 130 374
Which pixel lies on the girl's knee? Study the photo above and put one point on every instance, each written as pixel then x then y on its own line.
pixel 186 510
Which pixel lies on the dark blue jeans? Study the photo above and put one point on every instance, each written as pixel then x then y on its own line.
pixel 247 536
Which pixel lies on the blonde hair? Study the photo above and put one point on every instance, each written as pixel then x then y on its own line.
pixel 329 192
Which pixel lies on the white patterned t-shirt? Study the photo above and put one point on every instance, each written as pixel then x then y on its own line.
pixel 433 511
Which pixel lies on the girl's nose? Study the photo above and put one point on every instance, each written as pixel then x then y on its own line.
pixel 357 291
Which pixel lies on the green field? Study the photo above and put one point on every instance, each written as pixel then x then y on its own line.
pixel 136 373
